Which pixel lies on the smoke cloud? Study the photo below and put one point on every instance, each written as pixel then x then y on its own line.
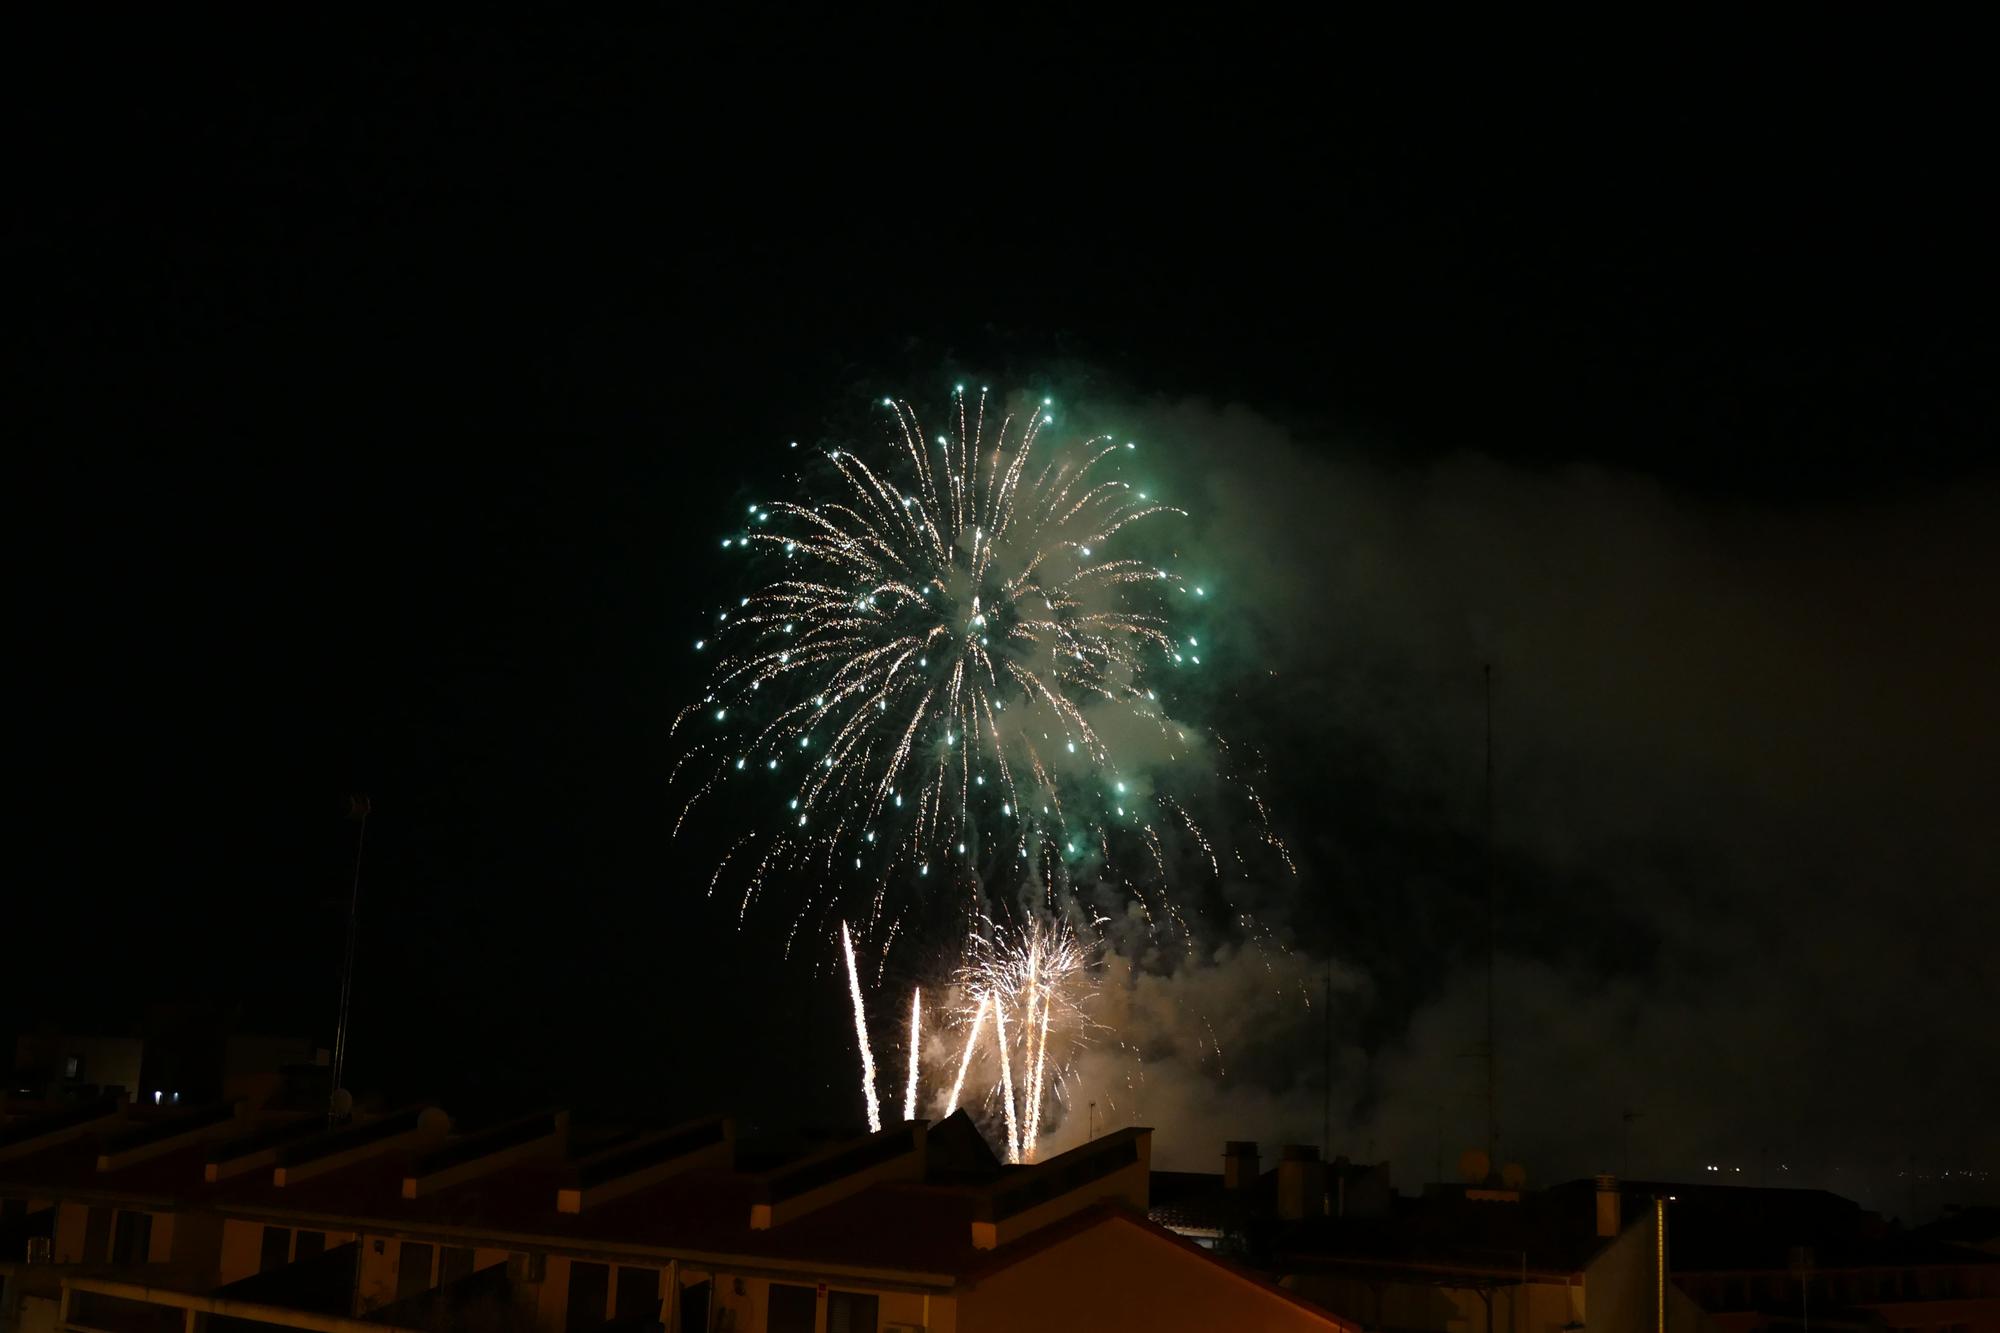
pixel 1743 867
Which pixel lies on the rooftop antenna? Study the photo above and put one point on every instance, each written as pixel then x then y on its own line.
pixel 1492 938
pixel 357 810
pixel 1326 1089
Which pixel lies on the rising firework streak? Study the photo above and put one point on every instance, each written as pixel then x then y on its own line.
pixel 861 1035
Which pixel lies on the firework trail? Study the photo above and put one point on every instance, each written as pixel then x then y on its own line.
pixel 1042 974
pixel 916 1045
pixel 1006 1082
pixel 861 1034
pixel 971 1044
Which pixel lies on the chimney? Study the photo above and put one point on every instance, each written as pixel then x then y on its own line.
pixel 1239 1164
pixel 1301 1183
pixel 1609 1207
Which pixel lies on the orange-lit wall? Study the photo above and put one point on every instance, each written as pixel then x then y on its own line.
pixel 1117 1276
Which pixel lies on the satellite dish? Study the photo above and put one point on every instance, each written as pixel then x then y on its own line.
pixel 342 1104
pixel 1513 1175
pixel 1473 1166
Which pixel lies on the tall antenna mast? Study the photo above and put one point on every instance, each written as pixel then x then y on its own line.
pixel 357 809
pixel 1492 943
pixel 1326 1088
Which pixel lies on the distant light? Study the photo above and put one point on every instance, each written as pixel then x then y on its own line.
pixel 699 644
pixel 888 402
pixel 795 444
pixel 719 714
pixel 739 763
pixel 772 764
pixel 725 541
pixel 1047 401
pixel 1086 550
pixel 1120 786
pixel 1130 445
pixel 156 1096
pixel 752 509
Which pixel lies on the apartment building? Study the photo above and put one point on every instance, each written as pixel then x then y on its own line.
pixel 207 1220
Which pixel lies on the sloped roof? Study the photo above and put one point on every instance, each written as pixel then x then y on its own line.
pixel 919 1230
pixel 1114 1214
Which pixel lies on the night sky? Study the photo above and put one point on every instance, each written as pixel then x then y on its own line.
pixel 377 394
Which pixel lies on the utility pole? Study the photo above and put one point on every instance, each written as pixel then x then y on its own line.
pixel 357 809
pixel 1492 946
pixel 1326 1090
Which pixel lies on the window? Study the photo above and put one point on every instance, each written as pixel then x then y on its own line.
pixel 792 1309
pixel 132 1238
pixel 694 1305
pixel 850 1312
pixel 277 1251
pixel 638 1293
pixel 311 1245
pixel 454 1263
pixel 72 1066
pixel 413 1270
pixel 589 1293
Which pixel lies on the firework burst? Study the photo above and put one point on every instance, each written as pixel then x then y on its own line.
pixel 1025 995
pixel 940 712
pixel 939 677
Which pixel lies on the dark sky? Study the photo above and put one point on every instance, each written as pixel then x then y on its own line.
pixel 373 390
